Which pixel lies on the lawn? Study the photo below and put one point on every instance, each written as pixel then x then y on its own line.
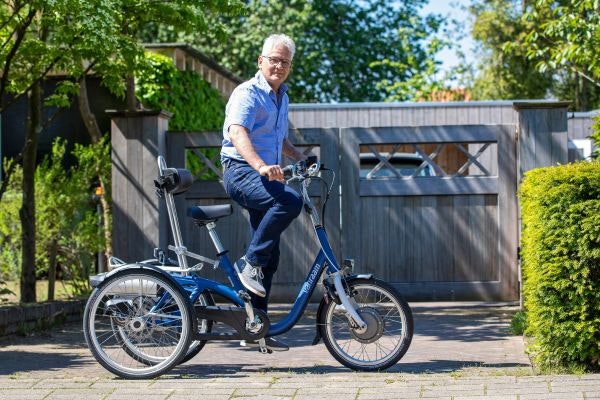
pixel 62 290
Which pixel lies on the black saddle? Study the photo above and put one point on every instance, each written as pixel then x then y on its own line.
pixel 202 215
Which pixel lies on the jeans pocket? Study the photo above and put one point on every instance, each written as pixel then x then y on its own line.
pixel 236 182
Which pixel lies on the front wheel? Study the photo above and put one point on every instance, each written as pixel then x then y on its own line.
pixel 388 333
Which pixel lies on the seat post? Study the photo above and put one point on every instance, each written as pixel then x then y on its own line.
pixel 211 226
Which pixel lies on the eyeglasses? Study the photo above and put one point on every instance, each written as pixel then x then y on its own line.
pixel 273 61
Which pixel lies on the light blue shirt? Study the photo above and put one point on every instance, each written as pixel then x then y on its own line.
pixel 253 105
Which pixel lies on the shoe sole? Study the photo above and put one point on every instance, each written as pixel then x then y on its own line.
pixel 261 294
pixel 256 346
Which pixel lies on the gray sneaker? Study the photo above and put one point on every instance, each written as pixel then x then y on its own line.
pixel 250 276
pixel 271 342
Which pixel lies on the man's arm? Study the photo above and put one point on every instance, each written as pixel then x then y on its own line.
pixel 240 138
pixel 292 151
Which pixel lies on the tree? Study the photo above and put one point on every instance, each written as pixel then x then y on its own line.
pixel 75 37
pixel 347 50
pixel 565 37
pixel 505 73
pixel 527 50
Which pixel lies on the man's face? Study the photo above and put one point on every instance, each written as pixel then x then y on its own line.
pixel 275 66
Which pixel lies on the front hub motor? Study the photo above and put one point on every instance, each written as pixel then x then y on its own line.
pixel 374 329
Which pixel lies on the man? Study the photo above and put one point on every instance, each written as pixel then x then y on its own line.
pixel 254 138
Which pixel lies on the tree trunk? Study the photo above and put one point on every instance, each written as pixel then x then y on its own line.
pixel 89 119
pixel 93 130
pixel 52 269
pixel 27 211
pixel 131 100
pixel 107 220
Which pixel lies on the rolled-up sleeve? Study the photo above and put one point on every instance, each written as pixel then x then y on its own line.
pixel 241 109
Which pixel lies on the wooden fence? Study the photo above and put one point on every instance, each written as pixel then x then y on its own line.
pixel 453 235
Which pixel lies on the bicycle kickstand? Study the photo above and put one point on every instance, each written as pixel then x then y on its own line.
pixel 262 346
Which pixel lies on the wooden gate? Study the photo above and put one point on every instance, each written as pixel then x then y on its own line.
pixel 452 235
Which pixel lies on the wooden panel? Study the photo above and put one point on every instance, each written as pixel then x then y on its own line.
pixel 427 134
pixel 351 226
pixel 429 238
pixel 508 233
pixel 423 186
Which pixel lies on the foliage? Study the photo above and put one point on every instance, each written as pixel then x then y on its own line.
pixel 89 33
pixel 518 323
pixel 561 264
pixel 4 291
pixel 10 228
pixel 194 104
pixel 505 72
pixel 510 67
pixel 596 137
pixel 567 34
pixel 66 217
pixel 347 50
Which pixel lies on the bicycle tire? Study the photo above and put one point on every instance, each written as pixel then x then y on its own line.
pixel 389 327
pixel 204 326
pixel 161 334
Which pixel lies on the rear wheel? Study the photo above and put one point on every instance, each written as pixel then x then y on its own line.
pixel 388 333
pixel 204 326
pixel 138 324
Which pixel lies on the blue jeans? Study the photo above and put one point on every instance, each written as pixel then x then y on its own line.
pixel 272 206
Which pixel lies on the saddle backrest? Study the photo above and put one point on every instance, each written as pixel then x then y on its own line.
pixel 177 180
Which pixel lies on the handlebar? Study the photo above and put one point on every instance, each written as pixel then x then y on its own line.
pixel 299 171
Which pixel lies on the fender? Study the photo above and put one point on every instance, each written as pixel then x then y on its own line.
pixel 325 301
pixel 97 280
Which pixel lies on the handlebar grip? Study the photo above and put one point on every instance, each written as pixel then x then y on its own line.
pixel 288 171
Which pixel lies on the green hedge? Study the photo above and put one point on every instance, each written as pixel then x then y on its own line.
pixel 561 264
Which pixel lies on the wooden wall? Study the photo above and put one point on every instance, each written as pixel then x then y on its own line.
pixel 435 238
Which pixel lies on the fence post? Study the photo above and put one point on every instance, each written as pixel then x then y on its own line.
pixel 542 136
pixel 137 138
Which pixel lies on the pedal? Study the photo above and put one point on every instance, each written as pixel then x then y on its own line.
pixel 260 345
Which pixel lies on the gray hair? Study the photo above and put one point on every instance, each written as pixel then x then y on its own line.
pixel 278 39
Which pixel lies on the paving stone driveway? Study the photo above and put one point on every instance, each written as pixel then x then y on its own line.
pixel 459 351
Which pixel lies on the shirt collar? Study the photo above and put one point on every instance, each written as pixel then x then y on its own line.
pixel 263 84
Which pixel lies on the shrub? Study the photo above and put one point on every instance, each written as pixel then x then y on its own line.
pixel 10 227
pixel 595 136
pixel 561 264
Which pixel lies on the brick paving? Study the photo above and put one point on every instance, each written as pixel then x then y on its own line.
pixel 459 351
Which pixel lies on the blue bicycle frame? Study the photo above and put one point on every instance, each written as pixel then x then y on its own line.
pixel 195 285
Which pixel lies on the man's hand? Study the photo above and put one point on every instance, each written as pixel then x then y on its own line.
pixel 272 172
